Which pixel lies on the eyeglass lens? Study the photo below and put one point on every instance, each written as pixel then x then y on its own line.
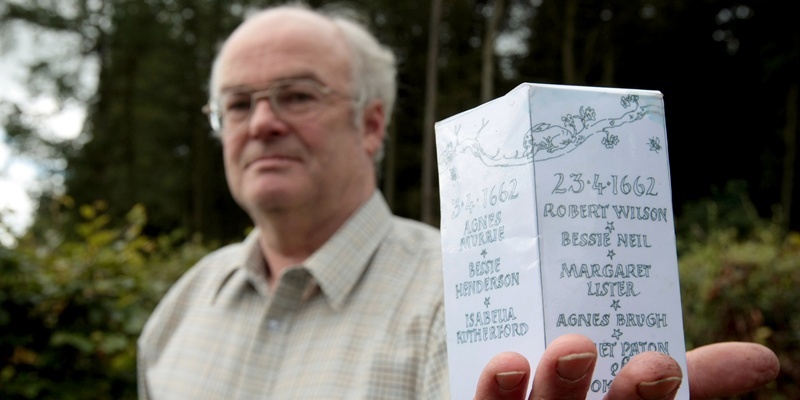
pixel 291 101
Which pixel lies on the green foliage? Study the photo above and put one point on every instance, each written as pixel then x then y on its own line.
pixel 738 281
pixel 71 310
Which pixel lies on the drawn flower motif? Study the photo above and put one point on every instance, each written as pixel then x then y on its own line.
pixel 590 114
pixel 568 120
pixel 453 174
pixel 655 144
pixel 628 100
pixel 610 141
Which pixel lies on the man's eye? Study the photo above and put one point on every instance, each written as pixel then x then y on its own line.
pixel 237 104
pixel 289 97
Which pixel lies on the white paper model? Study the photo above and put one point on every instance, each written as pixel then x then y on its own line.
pixel 557 218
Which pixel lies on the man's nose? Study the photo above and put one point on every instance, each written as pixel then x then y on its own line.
pixel 264 119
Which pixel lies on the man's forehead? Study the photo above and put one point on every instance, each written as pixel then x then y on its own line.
pixel 260 66
pixel 281 44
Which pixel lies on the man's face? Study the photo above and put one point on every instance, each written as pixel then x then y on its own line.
pixel 315 163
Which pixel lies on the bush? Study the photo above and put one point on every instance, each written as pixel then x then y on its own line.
pixel 739 281
pixel 71 310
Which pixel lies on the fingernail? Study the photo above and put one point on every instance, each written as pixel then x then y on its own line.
pixel 509 380
pixel 575 366
pixel 658 389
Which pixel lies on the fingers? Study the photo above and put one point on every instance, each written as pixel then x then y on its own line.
pixel 648 376
pixel 504 378
pixel 717 370
pixel 564 372
pixel 565 369
pixel 727 369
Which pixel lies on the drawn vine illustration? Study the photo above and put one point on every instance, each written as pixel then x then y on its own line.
pixel 546 141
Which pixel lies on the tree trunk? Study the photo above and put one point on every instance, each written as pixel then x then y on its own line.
pixel 487 57
pixel 431 87
pixel 568 67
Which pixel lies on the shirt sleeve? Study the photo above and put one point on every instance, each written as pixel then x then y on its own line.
pixel 190 288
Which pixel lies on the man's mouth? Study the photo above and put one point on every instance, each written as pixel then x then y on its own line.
pixel 271 161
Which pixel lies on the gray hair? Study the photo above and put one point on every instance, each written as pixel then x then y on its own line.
pixel 373 65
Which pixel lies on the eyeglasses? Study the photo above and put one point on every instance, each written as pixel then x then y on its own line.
pixel 291 100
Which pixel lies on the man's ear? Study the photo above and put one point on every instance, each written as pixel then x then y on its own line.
pixel 373 120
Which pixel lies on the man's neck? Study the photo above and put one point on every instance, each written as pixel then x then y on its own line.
pixel 289 238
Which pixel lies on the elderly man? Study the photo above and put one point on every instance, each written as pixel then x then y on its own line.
pixel 331 296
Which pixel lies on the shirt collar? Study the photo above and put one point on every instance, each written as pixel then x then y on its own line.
pixel 340 262
pixel 344 258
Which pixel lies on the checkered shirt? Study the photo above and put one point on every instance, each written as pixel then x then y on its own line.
pixel 362 318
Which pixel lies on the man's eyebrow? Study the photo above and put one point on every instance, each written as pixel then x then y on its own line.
pixel 247 87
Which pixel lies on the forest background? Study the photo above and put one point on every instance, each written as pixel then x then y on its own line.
pixel 140 194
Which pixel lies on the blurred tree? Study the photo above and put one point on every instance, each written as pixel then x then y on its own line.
pixel 146 141
pixel 488 49
pixel 431 89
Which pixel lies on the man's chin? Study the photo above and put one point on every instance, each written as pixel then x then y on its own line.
pixel 275 198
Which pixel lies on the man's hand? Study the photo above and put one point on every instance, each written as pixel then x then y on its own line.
pixel 565 372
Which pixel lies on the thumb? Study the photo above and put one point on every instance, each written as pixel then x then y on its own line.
pixel 505 377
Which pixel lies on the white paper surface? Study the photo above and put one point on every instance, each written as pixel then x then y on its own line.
pixel 557 218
